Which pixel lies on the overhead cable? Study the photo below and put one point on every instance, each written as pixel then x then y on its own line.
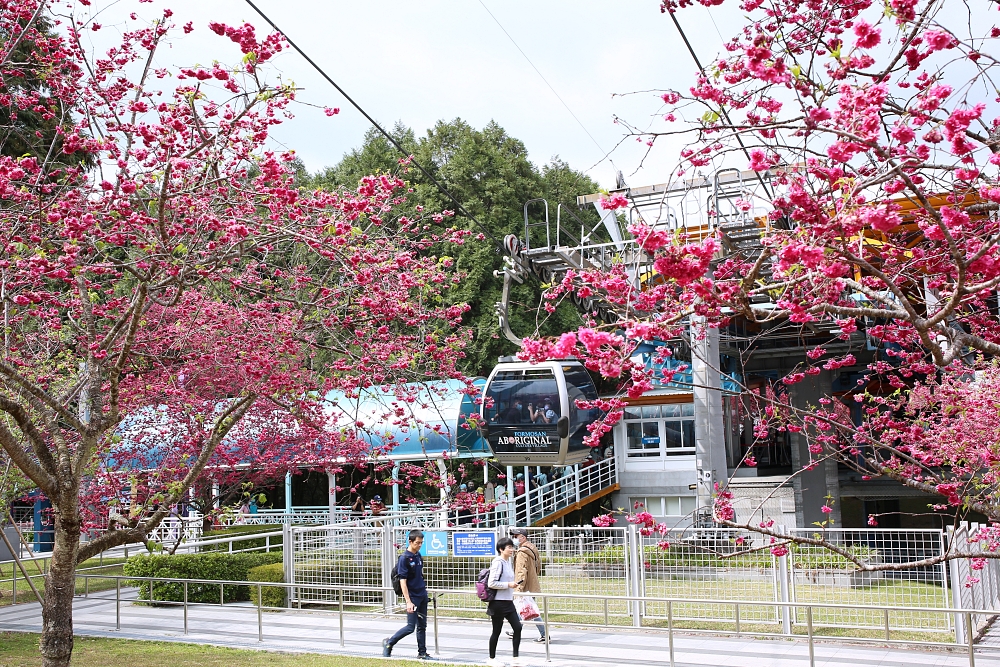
pixel 542 77
pixel 722 109
pixel 382 130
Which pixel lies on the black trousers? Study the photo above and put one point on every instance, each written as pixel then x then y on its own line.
pixel 498 611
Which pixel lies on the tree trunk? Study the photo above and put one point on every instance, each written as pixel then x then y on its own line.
pixel 60 585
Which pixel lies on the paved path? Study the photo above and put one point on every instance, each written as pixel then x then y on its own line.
pixel 464 641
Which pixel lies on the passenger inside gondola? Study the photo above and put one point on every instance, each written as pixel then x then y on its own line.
pixel 513 413
pixel 543 415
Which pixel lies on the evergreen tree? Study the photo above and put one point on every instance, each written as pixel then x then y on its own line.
pixel 490 173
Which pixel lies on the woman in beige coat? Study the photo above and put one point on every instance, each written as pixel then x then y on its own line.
pixel 527 568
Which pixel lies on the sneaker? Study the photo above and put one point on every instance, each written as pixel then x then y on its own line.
pixel 494 662
pixel 541 640
pixel 425 656
pixel 510 634
pixel 386 648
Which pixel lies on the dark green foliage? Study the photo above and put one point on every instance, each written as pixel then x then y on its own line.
pixel 224 566
pixel 490 173
pixel 272 596
pixel 30 127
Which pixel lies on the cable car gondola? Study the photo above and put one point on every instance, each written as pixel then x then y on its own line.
pixel 533 418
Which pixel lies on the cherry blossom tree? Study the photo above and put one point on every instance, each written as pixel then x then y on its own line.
pixel 178 309
pixel 873 131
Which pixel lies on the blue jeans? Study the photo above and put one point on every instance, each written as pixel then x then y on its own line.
pixel 414 620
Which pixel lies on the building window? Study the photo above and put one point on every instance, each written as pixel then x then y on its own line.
pixel 656 431
pixel 664 506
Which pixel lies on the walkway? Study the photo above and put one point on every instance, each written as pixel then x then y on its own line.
pixel 462 641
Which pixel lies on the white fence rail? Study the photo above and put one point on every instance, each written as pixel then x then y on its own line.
pixel 577 484
pixel 699 564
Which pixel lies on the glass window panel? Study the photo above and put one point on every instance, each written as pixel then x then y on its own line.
pixel 672 435
pixel 687 409
pixel 650 411
pixel 637 504
pixel 673 505
pixel 671 410
pixel 631 413
pixel 688 427
pixel 517 400
pixel 688 504
pixel 643 438
pixel 633 435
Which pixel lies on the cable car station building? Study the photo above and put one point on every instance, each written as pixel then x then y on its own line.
pixel 676 442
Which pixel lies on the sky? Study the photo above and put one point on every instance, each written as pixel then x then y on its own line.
pixel 419 62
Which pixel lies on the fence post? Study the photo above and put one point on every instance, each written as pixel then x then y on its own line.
pixel 634 571
pixel 955 582
pixel 185 607
pixel 970 632
pixel 288 560
pixel 576 479
pixel 545 610
pixel 786 616
pixel 118 604
pixel 809 629
pixel 260 613
pixel 340 604
pixel 437 649
pixel 670 630
pixel 388 594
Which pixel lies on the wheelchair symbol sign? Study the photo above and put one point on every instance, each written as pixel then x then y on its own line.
pixel 435 544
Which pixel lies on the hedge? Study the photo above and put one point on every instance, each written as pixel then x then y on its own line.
pixel 682 554
pixel 272 596
pixel 226 566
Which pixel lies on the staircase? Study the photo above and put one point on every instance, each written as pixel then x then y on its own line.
pixel 542 505
pixel 741 226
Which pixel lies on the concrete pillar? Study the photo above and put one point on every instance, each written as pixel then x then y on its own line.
pixel 510 495
pixel 443 471
pixel 710 437
pixel 812 486
pixel 332 480
pixel 288 493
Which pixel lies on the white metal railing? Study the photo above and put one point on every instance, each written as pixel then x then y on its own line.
pixel 729 621
pixel 578 484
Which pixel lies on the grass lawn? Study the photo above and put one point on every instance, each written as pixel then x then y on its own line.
pixel 111 566
pixel 21 650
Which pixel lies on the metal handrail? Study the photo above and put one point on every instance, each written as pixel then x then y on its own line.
pixel 545 597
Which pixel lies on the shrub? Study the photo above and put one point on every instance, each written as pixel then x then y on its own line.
pixel 270 596
pixel 225 566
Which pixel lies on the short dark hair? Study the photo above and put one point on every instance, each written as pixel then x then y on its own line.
pixel 415 535
pixel 503 543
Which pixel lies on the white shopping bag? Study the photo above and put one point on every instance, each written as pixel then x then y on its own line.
pixel 526 608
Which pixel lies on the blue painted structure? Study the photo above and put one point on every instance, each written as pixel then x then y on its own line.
pixel 682 380
pixel 435 423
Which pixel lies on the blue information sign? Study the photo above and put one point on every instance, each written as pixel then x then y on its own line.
pixel 435 544
pixel 475 544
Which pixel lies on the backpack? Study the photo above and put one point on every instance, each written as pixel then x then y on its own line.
pixel 483 590
pixel 394 576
